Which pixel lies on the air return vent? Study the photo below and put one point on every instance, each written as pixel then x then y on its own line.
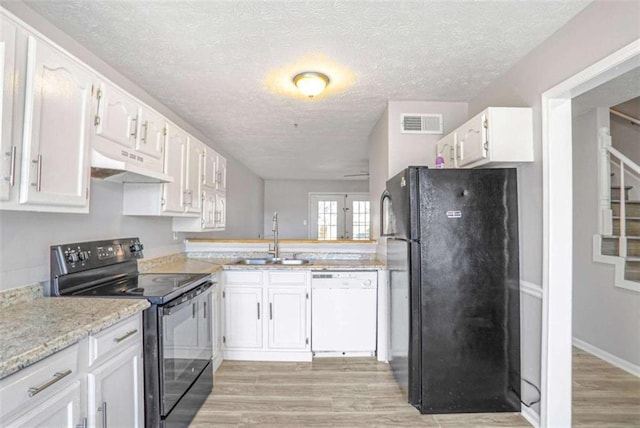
pixel 421 123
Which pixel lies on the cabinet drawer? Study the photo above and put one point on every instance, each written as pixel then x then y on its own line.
pixel 115 338
pixel 27 388
pixel 288 277
pixel 243 278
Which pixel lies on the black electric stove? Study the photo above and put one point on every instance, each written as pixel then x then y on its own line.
pixel 177 330
pixel 155 287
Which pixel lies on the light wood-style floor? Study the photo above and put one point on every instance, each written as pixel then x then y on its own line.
pixel 603 395
pixel 347 392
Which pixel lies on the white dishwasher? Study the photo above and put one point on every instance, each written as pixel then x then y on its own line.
pixel 344 313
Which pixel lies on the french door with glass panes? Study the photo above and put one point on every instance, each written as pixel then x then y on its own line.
pixel 339 216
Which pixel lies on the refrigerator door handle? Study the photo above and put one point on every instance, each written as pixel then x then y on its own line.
pixel 385 214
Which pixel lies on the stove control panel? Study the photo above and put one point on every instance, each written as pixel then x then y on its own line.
pixel 82 256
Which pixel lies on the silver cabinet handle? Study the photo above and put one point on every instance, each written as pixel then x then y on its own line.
pixel 83 424
pixel 38 183
pixel 127 334
pixel 103 409
pixel 258 310
pixel 205 310
pixel 12 166
pixel 134 122
pixel 56 378
pixel 144 134
pixel 270 310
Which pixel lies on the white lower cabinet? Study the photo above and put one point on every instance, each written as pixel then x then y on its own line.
pixel 61 410
pixel 216 326
pixel 96 380
pixel 115 391
pixel 267 315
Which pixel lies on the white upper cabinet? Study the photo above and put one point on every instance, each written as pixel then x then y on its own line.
pixel 127 130
pixel 210 168
pixel 8 147
pixel 115 121
pixel 153 128
pixel 182 198
pixel 498 136
pixel 175 162
pixel 55 158
pixel 221 174
pixel 446 148
pixel 193 176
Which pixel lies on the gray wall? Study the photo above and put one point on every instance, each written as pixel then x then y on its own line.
pixel 378 168
pixel 25 237
pixel 390 151
pixel 291 200
pixel 626 137
pixel 604 316
pixel 570 50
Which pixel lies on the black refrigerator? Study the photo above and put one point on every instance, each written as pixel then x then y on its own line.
pixel 452 255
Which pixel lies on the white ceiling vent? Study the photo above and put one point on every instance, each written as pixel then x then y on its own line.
pixel 421 123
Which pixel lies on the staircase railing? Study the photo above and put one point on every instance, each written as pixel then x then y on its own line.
pixel 610 155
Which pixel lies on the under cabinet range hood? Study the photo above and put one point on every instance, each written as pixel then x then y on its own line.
pixel 123 171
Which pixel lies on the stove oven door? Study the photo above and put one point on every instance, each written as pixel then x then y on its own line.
pixel 186 345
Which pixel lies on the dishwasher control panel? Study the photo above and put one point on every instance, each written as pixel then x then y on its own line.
pixel 344 278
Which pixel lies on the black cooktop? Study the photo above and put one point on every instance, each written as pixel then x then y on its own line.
pixel 155 287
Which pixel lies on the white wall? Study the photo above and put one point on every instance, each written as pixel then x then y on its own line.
pixel 26 237
pixel 599 30
pixel 290 198
pixel 604 316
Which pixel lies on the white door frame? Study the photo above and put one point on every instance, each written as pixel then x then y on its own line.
pixel 555 410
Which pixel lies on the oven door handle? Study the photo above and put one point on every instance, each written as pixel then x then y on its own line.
pixel 185 299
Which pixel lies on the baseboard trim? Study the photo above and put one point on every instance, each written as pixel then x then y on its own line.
pixel 610 358
pixel 531 289
pixel 531 416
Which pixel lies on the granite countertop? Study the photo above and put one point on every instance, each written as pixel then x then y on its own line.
pixel 184 264
pixel 33 330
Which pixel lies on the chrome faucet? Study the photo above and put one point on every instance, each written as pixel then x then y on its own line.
pixel 274 228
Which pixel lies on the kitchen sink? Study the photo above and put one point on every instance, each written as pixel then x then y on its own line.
pixel 253 262
pixel 293 262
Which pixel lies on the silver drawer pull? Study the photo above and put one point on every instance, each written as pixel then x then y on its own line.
pixel 56 377
pixel 127 334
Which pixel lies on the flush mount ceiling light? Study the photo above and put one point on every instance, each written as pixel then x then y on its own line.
pixel 311 83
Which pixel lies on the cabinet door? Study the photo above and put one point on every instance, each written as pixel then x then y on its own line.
pixel 115 391
pixel 472 142
pixel 61 410
pixel 287 314
pixel 221 174
pixel 174 164
pixel 446 148
pixel 116 118
pixel 221 211
pixel 208 209
pixel 210 168
pixel 55 161
pixel 8 149
pixel 151 139
pixel 243 317
pixel 193 176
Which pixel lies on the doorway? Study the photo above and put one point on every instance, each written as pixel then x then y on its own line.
pixel 557 148
pixel 335 216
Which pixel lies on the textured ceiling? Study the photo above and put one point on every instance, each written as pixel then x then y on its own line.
pixel 225 67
